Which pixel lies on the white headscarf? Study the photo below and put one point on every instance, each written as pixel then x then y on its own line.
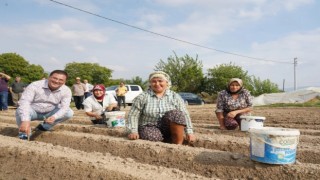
pixel 239 81
pixel 161 75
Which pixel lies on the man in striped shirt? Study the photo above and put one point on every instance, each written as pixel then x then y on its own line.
pixel 47 100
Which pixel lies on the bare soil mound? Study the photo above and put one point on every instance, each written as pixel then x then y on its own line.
pixel 77 149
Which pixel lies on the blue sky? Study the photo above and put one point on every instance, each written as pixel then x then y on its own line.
pixel 52 35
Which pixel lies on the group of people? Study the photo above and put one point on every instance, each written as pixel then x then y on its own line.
pixel 158 114
pixel 15 89
pixel 81 91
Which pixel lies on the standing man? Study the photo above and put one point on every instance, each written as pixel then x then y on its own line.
pixel 78 90
pixel 89 88
pixel 47 100
pixel 4 78
pixel 16 89
pixel 121 94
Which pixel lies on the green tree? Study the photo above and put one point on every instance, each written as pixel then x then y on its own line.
pixel 138 81
pixel 219 75
pixel 185 72
pixel 15 65
pixel 37 72
pixel 93 72
pixel 135 80
pixel 262 86
pixel 113 82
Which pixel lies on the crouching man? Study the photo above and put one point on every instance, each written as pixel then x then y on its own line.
pixel 47 100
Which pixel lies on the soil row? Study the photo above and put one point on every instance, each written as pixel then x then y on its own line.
pixel 79 146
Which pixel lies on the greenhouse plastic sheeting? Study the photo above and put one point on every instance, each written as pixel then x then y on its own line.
pixel 298 96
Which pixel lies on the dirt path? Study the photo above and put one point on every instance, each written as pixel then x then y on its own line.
pixel 77 149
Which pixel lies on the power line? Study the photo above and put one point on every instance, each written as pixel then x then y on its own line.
pixel 166 36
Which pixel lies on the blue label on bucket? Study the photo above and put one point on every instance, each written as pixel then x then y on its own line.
pixel 274 155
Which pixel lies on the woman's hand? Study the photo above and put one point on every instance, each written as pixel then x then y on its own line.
pixel 232 114
pixel 191 138
pixel 98 116
pixel 133 136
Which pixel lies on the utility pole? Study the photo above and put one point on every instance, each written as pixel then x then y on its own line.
pixel 283 85
pixel 295 62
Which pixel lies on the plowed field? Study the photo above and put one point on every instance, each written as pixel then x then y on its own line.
pixel 77 149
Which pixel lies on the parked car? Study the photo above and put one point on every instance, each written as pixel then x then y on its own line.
pixel 133 91
pixel 191 99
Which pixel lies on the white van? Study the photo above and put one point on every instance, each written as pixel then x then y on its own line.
pixel 133 91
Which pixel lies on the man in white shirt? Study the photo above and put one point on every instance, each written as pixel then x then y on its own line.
pixel 47 100
pixel 89 88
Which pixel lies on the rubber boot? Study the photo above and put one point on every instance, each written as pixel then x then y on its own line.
pixel 177 132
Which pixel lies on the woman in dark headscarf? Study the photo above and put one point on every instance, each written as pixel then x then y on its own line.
pixel 232 103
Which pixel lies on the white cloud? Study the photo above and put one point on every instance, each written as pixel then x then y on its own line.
pixel 79 48
pixel 255 13
pixel 150 19
pixel 63 31
pixel 85 5
pixel 292 5
pixel 206 19
pixel 231 4
pixel 294 44
pixel 66 34
pixel 130 52
pixel 303 45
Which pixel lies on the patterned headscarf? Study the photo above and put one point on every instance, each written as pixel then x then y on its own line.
pixel 239 81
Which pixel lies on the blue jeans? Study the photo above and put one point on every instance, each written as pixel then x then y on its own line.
pixel 41 116
pixel 4 100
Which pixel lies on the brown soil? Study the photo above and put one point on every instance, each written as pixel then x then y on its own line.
pixel 77 149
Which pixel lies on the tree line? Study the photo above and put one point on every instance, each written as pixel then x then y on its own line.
pixel 186 74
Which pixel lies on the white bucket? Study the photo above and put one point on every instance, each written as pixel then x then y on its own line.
pixel 116 119
pixel 251 122
pixel 274 145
